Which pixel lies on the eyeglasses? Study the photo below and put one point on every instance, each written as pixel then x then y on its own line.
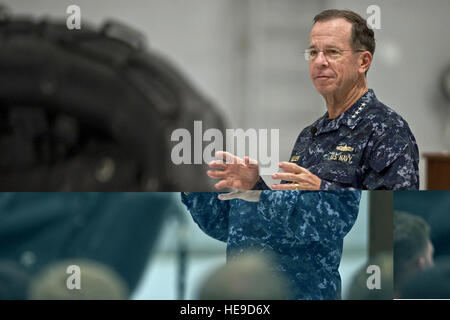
pixel 331 54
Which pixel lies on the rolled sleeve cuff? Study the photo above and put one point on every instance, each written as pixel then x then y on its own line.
pixel 260 185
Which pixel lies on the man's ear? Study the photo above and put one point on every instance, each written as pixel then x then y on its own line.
pixel 421 263
pixel 364 61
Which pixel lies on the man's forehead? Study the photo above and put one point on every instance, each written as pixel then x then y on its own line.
pixel 332 32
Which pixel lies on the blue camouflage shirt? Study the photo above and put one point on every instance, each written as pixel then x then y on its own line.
pixel 303 229
pixel 369 146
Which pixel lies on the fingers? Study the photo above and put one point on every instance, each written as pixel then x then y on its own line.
pixel 246 195
pixel 292 167
pixel 231 159
pixel 295 186
pixel 222 184
pixel 228 157
pixel 286 176
pixel 292 172
pixel 230 173
pixel 229 195
pixel 216 174
pixel 251 162
pixel 287 186
pixel 217 164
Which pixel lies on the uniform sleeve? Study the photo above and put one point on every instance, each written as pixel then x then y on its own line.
pixel 330 185
pixel 393 163
pixel 210 213
pixel 311 216
pixel 261 185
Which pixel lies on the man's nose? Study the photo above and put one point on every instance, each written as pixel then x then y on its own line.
pixel 321 59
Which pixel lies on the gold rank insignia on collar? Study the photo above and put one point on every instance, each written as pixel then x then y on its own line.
pixel 294 158
pixel 344 148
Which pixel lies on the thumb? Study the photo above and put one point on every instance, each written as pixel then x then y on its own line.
pixel 230 195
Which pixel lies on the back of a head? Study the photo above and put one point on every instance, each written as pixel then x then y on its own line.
pixel 247 277
pixel 411 238
pixel 97 282
pixel 433 283
pixel 382 266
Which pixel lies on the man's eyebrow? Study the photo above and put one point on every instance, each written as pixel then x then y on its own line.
pixel 326 47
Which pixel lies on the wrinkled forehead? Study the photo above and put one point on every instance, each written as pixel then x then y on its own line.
pixel 335 32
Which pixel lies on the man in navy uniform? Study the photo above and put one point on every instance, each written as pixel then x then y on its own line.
pixel 359 143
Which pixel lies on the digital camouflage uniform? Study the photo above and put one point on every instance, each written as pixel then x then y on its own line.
pixel 304 229
pixel 369 146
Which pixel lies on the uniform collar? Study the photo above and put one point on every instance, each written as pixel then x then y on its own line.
pixel 350 117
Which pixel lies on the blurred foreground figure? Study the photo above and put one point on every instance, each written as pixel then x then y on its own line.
pixel 96 282
pixel 434 283
pixel 434 207
pixel 413 250
pixel 249 277
pixel 92 110
pixel 366 286
pixel 119 230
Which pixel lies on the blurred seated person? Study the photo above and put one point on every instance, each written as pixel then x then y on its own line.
pixel 359 289
pixel 248 277
pixel 96 281
pixel 413 250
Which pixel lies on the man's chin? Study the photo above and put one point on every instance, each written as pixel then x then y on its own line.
pixel 325 90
